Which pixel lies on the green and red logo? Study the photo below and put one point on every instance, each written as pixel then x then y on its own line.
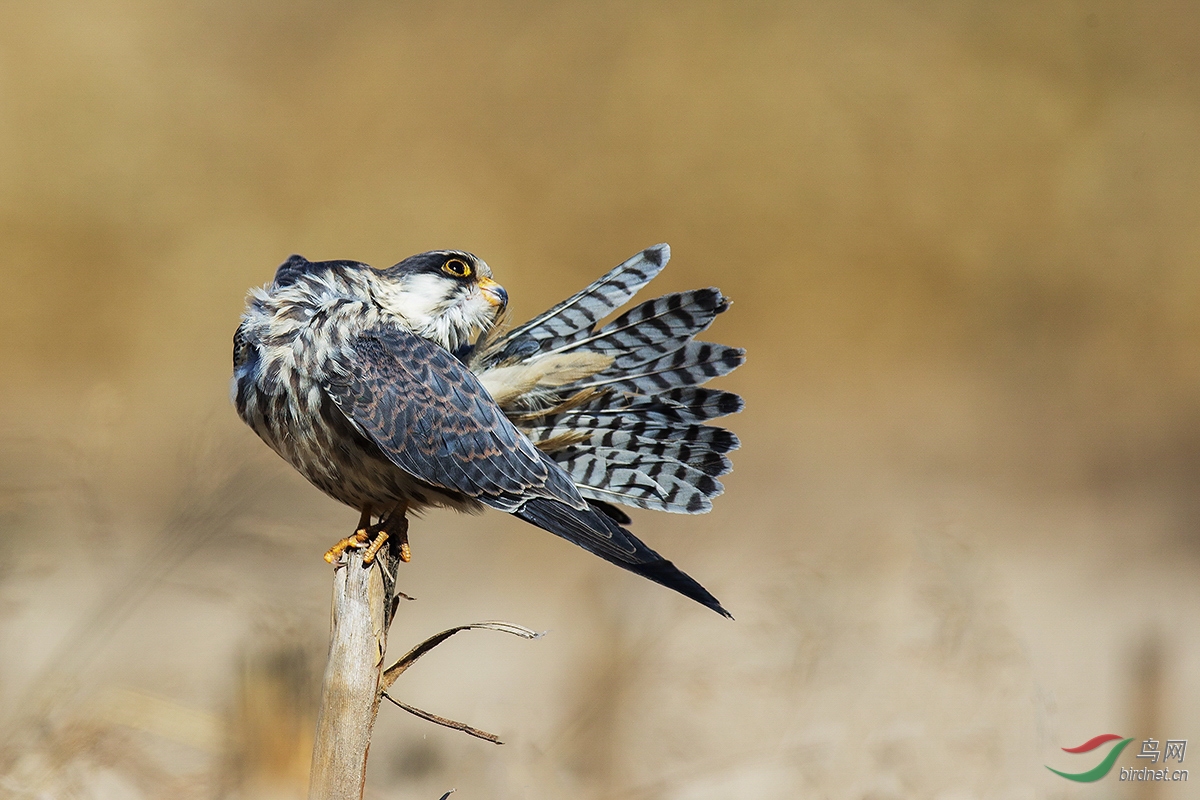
pixel 1104 767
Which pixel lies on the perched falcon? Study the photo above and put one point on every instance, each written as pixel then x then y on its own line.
pixel 398 389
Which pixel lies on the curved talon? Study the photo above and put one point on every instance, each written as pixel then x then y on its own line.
pixel 356 539
pixel 373 549
pixel 332 553
pixel 375 536
pixel 397 524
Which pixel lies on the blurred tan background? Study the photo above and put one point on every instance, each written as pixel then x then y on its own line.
pixel 963 531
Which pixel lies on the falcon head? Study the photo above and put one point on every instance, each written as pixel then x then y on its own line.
pixel 447 296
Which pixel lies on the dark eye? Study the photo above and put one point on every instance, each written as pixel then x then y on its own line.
pixel 457 267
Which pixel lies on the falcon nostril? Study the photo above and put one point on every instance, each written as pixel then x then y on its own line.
pixel 493 292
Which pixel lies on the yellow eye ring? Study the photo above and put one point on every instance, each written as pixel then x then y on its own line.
pixel 457 267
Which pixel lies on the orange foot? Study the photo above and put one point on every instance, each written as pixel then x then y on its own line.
pixel 374 537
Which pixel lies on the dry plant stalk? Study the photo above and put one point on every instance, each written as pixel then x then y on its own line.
pixel 364 602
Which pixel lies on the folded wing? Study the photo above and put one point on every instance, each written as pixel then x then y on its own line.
pixel 431 417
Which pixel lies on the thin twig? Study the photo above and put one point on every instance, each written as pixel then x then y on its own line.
pixel 364 601
pixel 449 723
pixel 410 658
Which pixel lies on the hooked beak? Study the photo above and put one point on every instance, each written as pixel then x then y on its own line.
pixel 493 292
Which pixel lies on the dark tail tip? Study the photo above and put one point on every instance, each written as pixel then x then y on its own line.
pixel 665 573
pixel 598 533
pixel 657 255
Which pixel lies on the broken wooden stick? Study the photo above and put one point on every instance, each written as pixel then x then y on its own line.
pixel 364 602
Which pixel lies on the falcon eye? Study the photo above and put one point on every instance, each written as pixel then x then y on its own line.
pixel 457 267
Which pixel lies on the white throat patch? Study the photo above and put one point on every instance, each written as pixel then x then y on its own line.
pixel 440 309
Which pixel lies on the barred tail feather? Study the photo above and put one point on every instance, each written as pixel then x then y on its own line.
pixel 575 317
pixel 692 364
pixel 685 405
pixel 656 327
pixel 696 403
pixel 699 446
pixel 643 481
pixel 628 424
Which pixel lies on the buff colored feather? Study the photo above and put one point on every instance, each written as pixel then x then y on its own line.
pixel 527 383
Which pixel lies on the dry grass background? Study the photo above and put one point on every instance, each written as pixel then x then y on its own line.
pixel 962 239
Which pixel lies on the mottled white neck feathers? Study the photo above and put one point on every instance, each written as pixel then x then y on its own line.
pixel 443 310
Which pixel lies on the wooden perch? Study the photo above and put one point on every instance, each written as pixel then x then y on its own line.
pixel 364 602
